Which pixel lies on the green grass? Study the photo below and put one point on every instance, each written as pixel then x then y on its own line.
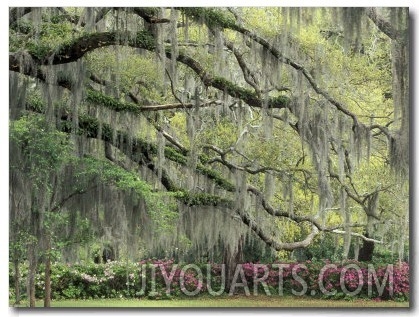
pixel 227 301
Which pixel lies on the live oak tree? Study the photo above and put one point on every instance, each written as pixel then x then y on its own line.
pixel 200 129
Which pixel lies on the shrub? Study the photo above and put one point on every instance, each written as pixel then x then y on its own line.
pixel 133 280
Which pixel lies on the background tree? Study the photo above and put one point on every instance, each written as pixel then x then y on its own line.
pixel 205 129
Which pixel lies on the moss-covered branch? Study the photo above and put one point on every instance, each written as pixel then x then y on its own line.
pixel 202 199
pixel 248 96
pixel 136 148
pixel 111 103
pixel 219 18
pixel 385 26
pixel 150 15
pixel 144 150
pixel 213 17
pixel 270 241
pixel 75 50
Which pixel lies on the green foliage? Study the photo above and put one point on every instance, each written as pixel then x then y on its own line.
pixel 216 177
pixel 174 155
pixel 18 245
pixel 39 50
pixel 201 199
pixel 212 16
pixel 50 36
pixel 325 247
pixel 146 40
pixel 51 150
pixel 50 32
pixel 145 279
pixel 45 149
pixel 89 126
pixel 22 26
pixel 56 222
pixel 235 91
pixel 160 207
pixel 60 18
pixel 136 73
pixel 267 21
pixel 223 134
pixel 279 102
pixel 35 103
pixel 111 103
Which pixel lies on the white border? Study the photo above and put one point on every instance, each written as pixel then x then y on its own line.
pixel 4 115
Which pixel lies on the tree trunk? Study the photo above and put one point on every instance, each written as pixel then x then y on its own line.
pixel 356 250
pixel 231 259
pixel 47 294
pixel 17 282
pixel 31 275
pixel 366 251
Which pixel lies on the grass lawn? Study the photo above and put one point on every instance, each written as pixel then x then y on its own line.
pixel 227 301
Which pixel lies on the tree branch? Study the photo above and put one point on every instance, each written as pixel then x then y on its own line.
pixel 383 25
pixel 71 195
pixel 148 14
pixel 217 18
pixel 79 47
pixel 248 75
pixel 13 13
pixel 278 246
pixel 279 213
pixel 222 159
pixel 357 235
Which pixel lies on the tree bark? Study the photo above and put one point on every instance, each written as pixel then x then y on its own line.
pixel 17 281
pixel 47 293
pixel 231 259
pixel 31 274
pixel 356 249
pixel 366 251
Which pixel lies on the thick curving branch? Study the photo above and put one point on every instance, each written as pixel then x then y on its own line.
pixel 280 213
pixel 217 18
pixel 263 169
pixel 278 246
pixel 298 219
pixel 149 15
pixel 79 47
pixel 249 97
pixel 383 25
pixel 354 234
pixel 87 43
pixel 142 152
pixel 144 155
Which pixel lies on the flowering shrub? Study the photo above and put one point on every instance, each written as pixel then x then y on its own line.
pixel 350 279
pixel 164 279
pixel 169 278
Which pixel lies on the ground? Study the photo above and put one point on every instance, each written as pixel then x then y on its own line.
pixel 227 301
